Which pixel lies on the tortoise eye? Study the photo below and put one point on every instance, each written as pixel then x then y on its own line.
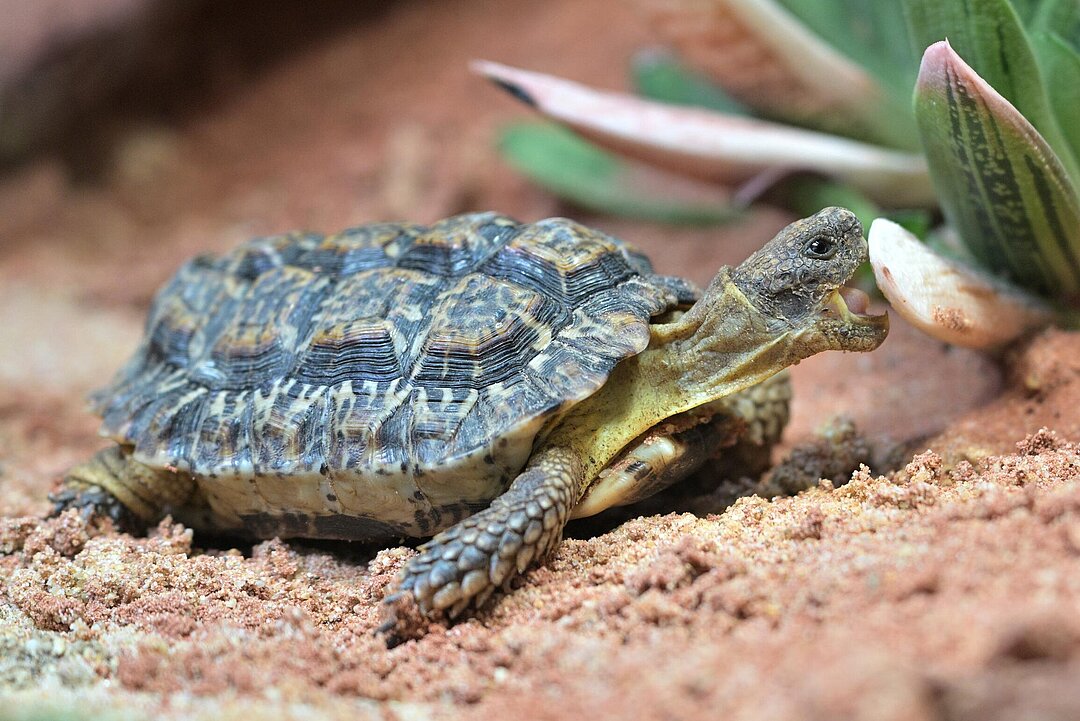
pixel 820 247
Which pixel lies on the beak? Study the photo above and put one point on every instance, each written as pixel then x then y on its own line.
pixel 847 308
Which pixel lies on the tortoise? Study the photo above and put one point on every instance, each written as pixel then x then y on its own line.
pixel 480 380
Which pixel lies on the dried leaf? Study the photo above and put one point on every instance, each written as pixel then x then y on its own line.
pixel 712 145
pixel 945 299
pixel 873 34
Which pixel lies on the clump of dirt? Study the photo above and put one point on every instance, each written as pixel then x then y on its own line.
pixel 1043 377
pixel 837 451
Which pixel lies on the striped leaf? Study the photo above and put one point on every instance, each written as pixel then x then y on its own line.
pixel 989 34
pixel 1000 184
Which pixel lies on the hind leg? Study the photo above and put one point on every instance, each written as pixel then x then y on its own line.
pixel 765 410
pixel 114 485
pixel 735 442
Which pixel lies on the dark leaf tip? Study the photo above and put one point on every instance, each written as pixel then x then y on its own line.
pixel 516 90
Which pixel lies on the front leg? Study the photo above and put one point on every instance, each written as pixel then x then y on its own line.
pixel 463 565
pixel 113 484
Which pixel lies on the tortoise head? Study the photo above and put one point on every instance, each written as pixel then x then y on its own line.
pixel 797 281
pixel 785 303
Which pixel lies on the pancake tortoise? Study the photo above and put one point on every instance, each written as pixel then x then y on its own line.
pixel 479 380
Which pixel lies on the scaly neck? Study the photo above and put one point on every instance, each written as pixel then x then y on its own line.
pixel 709 352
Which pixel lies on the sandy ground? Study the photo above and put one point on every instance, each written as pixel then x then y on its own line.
pixel 947 589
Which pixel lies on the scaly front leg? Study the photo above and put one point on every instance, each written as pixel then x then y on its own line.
pixel 113 484
pixel 463 565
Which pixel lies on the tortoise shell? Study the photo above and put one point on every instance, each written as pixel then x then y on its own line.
pixel 391 371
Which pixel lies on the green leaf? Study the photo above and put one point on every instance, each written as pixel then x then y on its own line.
pixel 659 76
pixel 807 194
pixel 1061 17
pixel 1000 184
pixel 578 171
pixel 1062 67
pixel 990 36
pixel 915 221
pixel 1026 9
pixel 872 34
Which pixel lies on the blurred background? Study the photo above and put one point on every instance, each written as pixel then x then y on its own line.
pixel 141 131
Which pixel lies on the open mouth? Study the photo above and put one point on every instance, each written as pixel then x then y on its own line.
pixel 851 304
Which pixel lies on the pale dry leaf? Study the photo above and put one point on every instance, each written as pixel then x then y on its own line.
pixel 945 299
pixel 712 145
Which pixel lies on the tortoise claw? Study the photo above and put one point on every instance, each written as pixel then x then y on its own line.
pixel 402 619
pixel 90 502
